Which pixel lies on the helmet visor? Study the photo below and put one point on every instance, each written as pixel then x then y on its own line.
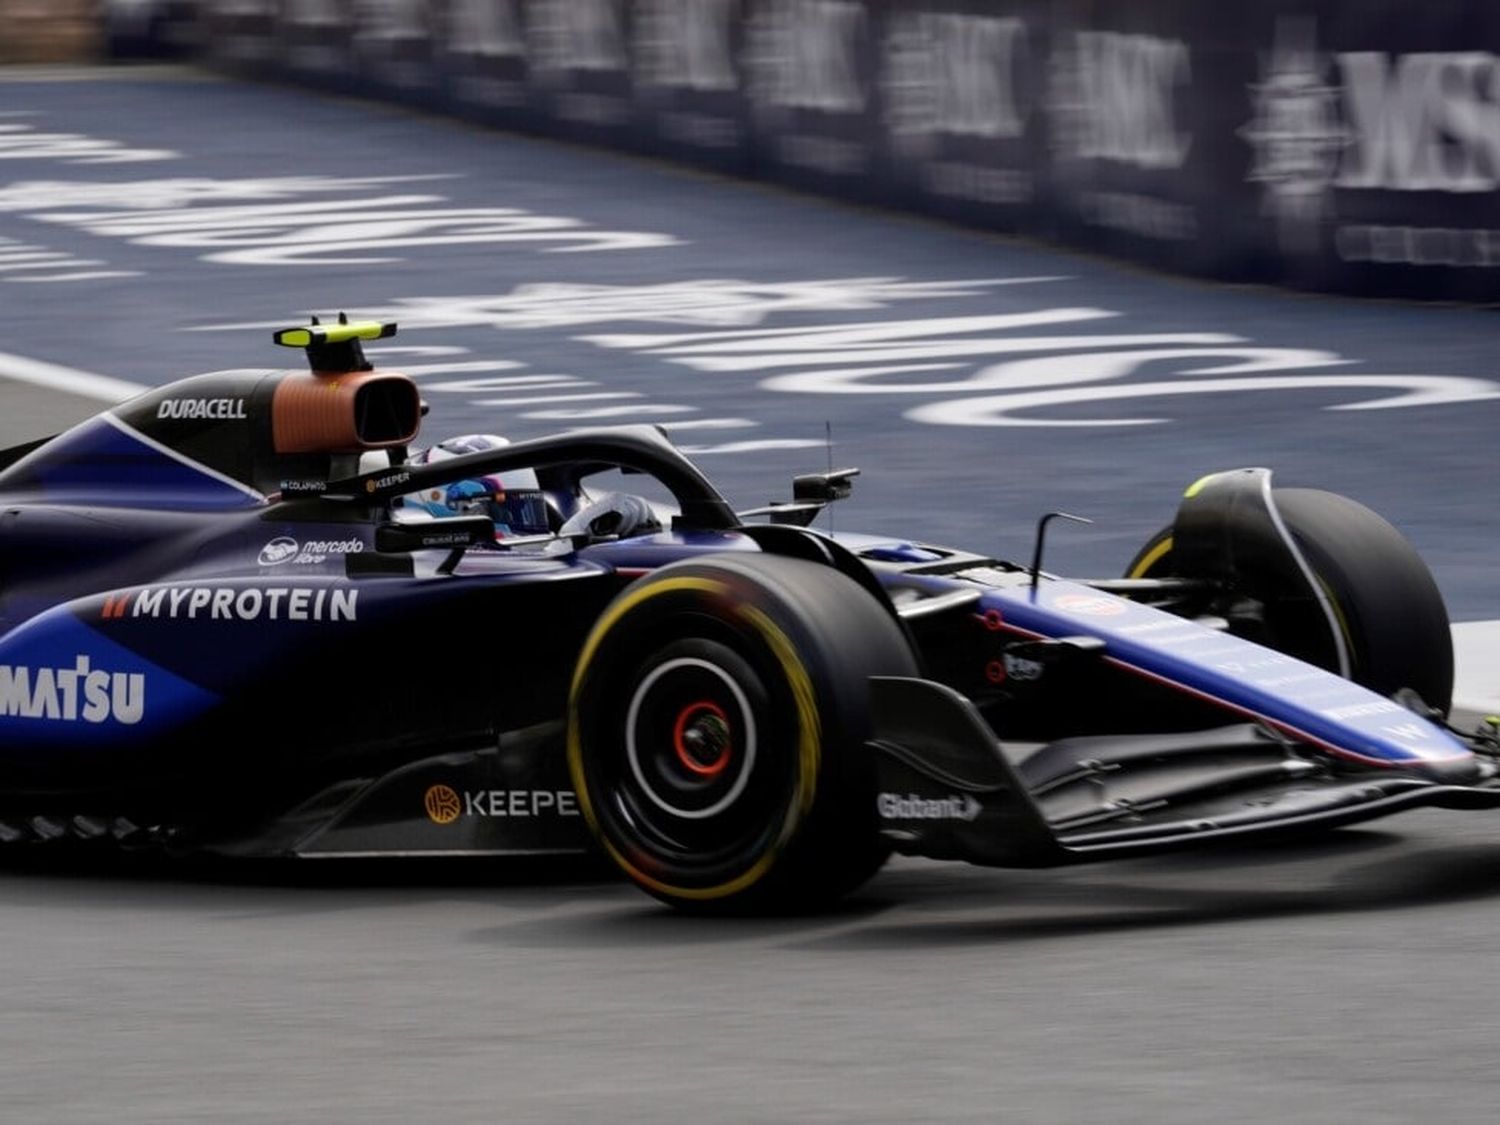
pixel 520 511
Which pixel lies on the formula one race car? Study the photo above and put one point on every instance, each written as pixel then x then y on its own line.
pixel 224 626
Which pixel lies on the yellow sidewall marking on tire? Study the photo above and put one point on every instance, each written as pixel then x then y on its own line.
pixel 1151 558
pixel 809 738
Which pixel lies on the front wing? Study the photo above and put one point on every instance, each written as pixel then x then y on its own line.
pixel 948 789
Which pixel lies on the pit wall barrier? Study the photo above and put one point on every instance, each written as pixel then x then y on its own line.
pixel 1348 145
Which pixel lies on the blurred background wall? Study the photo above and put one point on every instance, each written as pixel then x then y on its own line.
pixel 50 31
pixel 1342 145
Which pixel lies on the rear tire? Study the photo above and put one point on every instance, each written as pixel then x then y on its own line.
pixel 717 729
pixel 1390 613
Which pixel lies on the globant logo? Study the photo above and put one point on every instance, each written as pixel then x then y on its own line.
pixel 893 806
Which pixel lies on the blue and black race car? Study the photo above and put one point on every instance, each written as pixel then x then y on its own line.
pixel 239 615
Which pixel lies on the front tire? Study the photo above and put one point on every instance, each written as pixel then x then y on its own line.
pixel 717 728
pixel 1390 614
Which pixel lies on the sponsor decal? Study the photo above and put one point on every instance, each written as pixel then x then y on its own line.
pixel 442 804
pixel 894 806
pixel 80 693
pixel 1368 120
pixel 1112 98
pixel 284 549
pixel 1421 122
pixel 1360 710
pixel 1090 605
pixel 303 487
pixel 446 539
pixel 387 481
pixel 193 408
pixel 1309 676
pixel 1408 732
pixel 1019 668
pixel 278 551
pixel 236 603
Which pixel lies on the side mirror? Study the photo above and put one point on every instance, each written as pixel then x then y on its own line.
pixel 823 488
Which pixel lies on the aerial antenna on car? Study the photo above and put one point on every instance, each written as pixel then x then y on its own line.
pixel 828 445
pixel 334 349
pixel 1041 539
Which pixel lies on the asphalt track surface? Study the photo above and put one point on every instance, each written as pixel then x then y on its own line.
pixel 1352 978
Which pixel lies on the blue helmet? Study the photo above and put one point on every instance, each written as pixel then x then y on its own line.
pixel 513 500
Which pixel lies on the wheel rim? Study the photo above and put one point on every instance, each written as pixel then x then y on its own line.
pixel 690 739
pixel 704 777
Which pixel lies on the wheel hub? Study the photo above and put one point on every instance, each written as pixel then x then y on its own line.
pixel 690 739
pixel 702 738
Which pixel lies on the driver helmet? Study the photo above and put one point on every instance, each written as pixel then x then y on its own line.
pixel 513 500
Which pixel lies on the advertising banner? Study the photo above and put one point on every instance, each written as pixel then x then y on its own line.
pixel 1325 144
pixel 963 92
pixel 689 78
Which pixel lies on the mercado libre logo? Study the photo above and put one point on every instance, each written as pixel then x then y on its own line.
pixel 442 804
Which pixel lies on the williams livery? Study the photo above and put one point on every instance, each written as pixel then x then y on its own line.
pixel 242 614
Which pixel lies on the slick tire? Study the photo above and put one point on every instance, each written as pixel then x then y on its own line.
pixel 1389 610
pixel 716 733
